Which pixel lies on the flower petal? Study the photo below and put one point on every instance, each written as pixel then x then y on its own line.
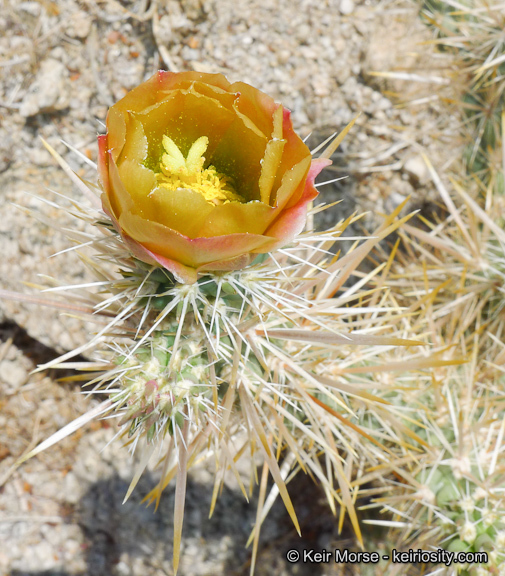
pixel 237 218
pixel 256 105
pixel 294 152
pixel 183 210
pixel 116 131
pixel 185 116
pixel 192 252
pixel 119 198
pixel 237 263
pixel 239 154
pixel 103 162
pixel 292 184
pixel 135 146
pixel 171 81
pixel 272 158
pixel 291 221
pixel 138 182
pixel 183 274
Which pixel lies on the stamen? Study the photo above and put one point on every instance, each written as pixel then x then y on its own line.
pixel 179 172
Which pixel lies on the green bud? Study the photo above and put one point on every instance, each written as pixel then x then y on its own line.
pixel 448 493
pixel 227 288
pixel 206 287
pixel 161 302
pixel 151 431
pixel 179 421
pixel 260 258
pixel 457 545
pixel 484 542
pixel 162 357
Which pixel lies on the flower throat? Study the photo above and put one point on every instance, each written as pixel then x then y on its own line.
pixel 179 172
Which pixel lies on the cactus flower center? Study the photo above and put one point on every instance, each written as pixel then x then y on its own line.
pixel 179 172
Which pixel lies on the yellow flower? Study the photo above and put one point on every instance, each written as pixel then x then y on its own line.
pixel 201 175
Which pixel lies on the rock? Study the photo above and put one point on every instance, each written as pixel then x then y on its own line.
pixel 49 92
pixel 122 569
pixel 416 170
pixel 32 8
pixel 79 25
pixel 346 7
pixel 13 373
pixel 393 201
pixel 6 152
pixel 72 488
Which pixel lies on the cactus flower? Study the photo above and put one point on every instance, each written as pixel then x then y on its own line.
pixel 202 175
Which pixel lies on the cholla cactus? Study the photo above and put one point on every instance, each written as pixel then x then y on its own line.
pixel 226 330
pixel 466 60
pixel 456 269
pixel 472 31
pixel 451 496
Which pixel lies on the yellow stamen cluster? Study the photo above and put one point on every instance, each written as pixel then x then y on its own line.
pixel 179 172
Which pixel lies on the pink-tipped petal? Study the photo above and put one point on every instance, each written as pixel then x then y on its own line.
pixel 292 220
pixel 193 252
pixel 237 263
pixel 183 274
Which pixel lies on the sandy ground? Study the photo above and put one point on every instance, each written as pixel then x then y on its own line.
pixel 62 63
